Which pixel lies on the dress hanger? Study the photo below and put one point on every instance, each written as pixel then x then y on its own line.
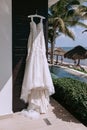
pixel 36 15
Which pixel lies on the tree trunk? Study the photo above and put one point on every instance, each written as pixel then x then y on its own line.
pixel 52 46
pixel 52 51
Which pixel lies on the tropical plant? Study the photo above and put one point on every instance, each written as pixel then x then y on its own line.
pixel 72 94
pixel 55 24
pixel 56 27
pixel 63 14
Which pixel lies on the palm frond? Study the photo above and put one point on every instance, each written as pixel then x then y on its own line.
pixel 70 33
pixel 84 31
pixel 82 24
pixel 59 23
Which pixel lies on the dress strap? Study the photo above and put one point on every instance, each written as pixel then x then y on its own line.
pixel 41 20
pixel 32 19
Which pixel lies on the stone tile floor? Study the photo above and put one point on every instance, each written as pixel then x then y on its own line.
pixel 57 118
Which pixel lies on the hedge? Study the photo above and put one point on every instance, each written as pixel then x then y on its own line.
pixel 72 94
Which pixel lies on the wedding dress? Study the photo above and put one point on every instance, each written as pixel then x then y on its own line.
pixel 37 83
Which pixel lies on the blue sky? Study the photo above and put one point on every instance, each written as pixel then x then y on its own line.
pixel 80 38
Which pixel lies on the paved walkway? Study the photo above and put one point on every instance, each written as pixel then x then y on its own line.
pixel 57 118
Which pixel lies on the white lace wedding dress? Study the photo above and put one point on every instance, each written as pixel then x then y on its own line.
pixel 37 83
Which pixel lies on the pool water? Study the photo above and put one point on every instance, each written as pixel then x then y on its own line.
pixel 61 72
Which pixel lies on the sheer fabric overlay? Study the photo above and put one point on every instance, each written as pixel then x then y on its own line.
pixel 37 83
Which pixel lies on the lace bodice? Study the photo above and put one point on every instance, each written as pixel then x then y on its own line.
pixel 36 28
pixel 36 34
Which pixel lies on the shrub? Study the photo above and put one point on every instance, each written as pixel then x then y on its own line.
pixel 72 94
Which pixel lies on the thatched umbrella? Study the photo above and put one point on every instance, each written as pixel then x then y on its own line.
pixel 77 53
pixel 59 52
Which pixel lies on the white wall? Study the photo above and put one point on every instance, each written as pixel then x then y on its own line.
pixel 5 57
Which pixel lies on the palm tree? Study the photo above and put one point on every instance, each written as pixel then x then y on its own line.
pixel 63 14
pixel 53 32
pixel 56 27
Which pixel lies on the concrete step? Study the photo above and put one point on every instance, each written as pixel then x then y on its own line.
pixel 57 118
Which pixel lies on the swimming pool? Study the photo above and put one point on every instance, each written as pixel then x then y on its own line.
pixel 61 72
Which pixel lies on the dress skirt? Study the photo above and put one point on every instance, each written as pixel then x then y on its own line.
pixel 37 83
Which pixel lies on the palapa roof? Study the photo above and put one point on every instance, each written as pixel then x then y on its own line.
pixel 77 52
pixel 57 51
